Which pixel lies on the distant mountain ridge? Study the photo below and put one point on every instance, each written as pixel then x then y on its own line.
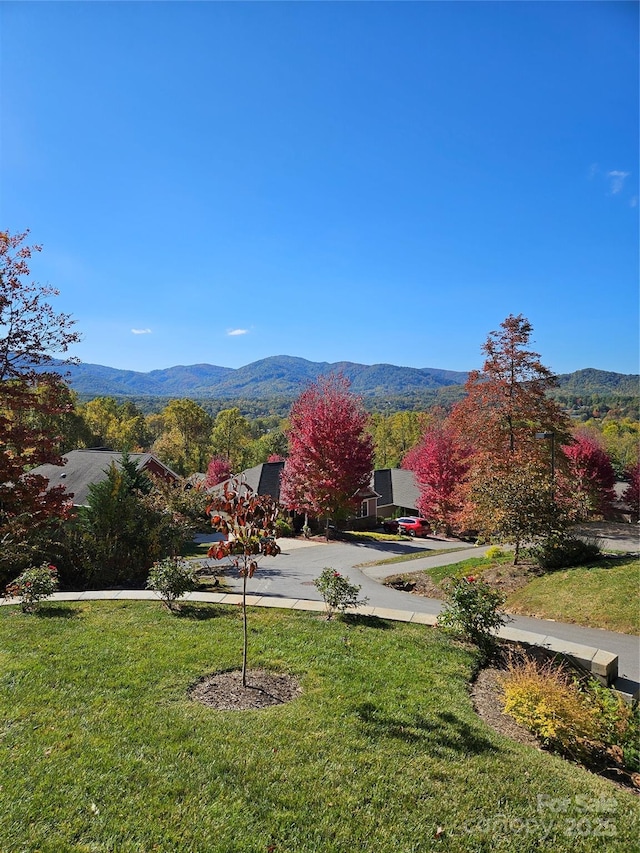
pixel 283 375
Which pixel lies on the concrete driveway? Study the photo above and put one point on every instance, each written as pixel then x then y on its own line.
pixel 291 575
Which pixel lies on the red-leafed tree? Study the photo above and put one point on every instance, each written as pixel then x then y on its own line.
pixel 631 494
pixel 502 418
pixel 249 522
pixel 506 403
pixel 30 399
pixel 330 451
pixel 218 470
pixel 439 463
pixel 589 479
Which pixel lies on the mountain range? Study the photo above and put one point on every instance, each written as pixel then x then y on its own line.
pixel 283 375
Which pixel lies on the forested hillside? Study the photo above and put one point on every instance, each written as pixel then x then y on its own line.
pixel 271 384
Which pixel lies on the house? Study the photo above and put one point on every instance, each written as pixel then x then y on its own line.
pixel 83 468
pixel 391 492
pixel 398 490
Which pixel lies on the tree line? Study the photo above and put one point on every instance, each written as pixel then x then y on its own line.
pixel 185 436
pixel 505 461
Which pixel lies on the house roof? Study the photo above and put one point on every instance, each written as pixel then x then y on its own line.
pixel 396 487
pixel 392 486
pixel 264 479
pixel 83 468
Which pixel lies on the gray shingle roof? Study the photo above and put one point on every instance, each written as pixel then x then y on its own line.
pixel 83 468
pixel 264 479
pixel 396 487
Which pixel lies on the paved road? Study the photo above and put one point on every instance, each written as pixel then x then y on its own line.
pixel 291 575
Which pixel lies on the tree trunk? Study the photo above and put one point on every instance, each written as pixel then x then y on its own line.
pixel 244 630
pixel 516 553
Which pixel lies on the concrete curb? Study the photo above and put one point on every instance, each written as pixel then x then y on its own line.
pixel 602 664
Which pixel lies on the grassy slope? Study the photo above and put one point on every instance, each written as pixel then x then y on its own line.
pixel 604 595
pixel 101 751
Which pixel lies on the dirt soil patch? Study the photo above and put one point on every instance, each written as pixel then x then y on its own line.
pixel 504 577
pixel 486 693
pixel 224 691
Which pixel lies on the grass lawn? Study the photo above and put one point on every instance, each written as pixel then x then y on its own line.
pixel 101 750
pixel 603 595
pixel 407 558
pixel 195 550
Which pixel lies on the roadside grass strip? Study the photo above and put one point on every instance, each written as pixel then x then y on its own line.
pixel 603 595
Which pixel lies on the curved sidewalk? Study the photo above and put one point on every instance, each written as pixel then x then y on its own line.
pixel 601 663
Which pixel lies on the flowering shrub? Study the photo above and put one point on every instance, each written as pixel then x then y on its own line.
pixel 171 577
pixel 337 592
pixel 34 584
pixel 472 611
pixel 545 701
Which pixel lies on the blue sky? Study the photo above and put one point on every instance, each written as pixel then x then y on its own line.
pixel 359 181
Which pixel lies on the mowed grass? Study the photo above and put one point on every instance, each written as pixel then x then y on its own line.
pixel 602 595
pixel 101 750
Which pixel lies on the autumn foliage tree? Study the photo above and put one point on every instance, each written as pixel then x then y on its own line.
pixel 218 470
pixel 31 396
pixel 439 463
pixel 330 451
pixel 590 477
pixel 185 443
pixel 505 411
pixel 230 437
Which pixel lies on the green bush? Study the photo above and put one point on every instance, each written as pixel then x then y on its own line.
pixel 618 723
pixel 563 551
pixel 34 584
pixel 472 610
pixel 283 528
pixel 171 577
pixel 338 593
pixel 125 527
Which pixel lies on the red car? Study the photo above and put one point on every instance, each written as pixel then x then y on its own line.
pixel 414 526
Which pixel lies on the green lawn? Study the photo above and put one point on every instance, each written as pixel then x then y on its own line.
pixel 603 595
pixel 407 558
pixel 100 749
pixel 195 550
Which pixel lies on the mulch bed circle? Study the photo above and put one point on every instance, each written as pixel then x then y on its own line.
pixel 224 691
